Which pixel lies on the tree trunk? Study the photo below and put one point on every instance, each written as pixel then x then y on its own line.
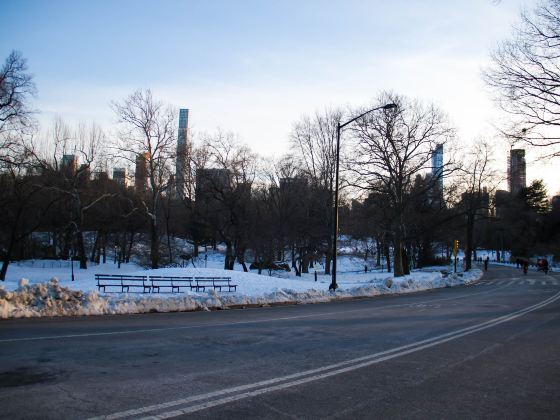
pixel 130 243
pixel 241 261
pixel 387 251
pixel 241 257
pixel 195 248
pixel 154 244
pixel 169 250
pixel 405 262
pixel 378 251
pixel 81 249
pixel 230 258
pixel 65 253
pixel 4 270
pixel 304 262
pixel 397 260
pixel 6 259
pixel 55 244
pixel 104 247
pixel 94 248
pixel 328 261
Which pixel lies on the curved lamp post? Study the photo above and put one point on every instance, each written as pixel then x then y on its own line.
pixel 339 127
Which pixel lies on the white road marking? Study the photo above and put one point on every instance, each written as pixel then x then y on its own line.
pixel 276 384
pixel 224 324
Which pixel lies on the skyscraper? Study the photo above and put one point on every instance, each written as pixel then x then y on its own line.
pixel 69 165
pixel 141 172
pixel 516 170
pixel 182 169
pixel 437 166
pixel 119 176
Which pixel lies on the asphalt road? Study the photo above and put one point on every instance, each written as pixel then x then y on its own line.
pixel 489 350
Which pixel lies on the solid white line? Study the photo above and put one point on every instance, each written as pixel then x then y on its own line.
pixel 223 324
pixel 261 391
pixel 320 373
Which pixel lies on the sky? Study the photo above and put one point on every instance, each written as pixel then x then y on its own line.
pixel 255 67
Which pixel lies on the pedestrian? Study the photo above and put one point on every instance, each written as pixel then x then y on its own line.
pixel 486 263
pixel 525 267
pixel 545 265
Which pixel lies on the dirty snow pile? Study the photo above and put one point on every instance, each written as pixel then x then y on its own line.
pixel 51 298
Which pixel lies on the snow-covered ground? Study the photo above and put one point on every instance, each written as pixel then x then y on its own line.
pixel 47 289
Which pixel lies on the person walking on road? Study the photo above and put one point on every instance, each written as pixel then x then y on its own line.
pixel 545 265
pixel 525 267
pixel 486 263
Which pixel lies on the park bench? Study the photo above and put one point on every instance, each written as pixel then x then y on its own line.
pixel 122 281
pixel 154 284
pixel 216 283
pixel 195 283
pixel 171 282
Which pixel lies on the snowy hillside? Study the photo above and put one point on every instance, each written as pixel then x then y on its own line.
pixel 47 289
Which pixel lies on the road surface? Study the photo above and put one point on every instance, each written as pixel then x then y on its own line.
pixel 489 350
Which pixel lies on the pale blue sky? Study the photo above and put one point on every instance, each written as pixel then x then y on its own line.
pixel 253 67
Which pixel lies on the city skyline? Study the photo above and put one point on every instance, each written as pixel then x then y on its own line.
pixel 284 62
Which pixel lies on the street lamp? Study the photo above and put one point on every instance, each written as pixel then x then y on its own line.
pixel 339 127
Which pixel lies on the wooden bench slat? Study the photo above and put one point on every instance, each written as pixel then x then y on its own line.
pixel 153 283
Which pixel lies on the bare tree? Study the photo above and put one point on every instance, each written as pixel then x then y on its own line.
pixel 477 180
pixel 314 144
pixel 224 194
pixel 148 130
pixel 391 147
pixel 525 77
pixel 25 201
pixel 69 156
pixel 16 89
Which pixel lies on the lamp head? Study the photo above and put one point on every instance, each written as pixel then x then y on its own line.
pixel 390 106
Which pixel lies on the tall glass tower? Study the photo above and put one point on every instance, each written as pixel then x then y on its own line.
pixel 182 169
pixel 437 166
pixel 516 170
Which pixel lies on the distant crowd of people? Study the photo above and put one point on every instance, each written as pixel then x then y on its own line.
pixel 542 264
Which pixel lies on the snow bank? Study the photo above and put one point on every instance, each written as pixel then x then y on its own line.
pixel 52 299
